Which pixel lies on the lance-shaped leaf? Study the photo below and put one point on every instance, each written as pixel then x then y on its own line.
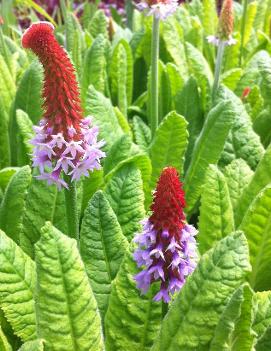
pixel 125 195
pixel 13 204
pixel 262 319
pixel 4 344
pixel 5 176
pixel 35 345
pixel 257 225
pixel 121 75
pixel 223 336
pixel 238 175
pixel 132 320
pixel 67 313
pixel 100 107
pixel 17 282
pixel 193 316
pixel 4 137
pixel 216 215
pixel 142 133
pixel 169 145
pixel 102 247
pixel 208 148
pixel 260 179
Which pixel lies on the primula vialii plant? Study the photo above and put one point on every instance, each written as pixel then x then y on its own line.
pixel 160 9
pixel 167 247
pixel 65 143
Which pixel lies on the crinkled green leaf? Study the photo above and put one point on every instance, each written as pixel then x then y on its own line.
pixel 193 316
pixel 188 105
pixel 94 68
pixel 4 137
pixel 41 205
pixel 231 77
pixel 100 107
pixel 257 225
pixel 13 204
pixel 142 133
pixel 119 151
pixel 17 283
pixel 260 179
pixel 67 314
pixel 4 344
pixel 238 175
pixel 28 95
pixel 209 16
pixel 168 146
pixel 98 24
pixel 208 148
pixel 121 75
pixel 35 345
pixel 7 85
pixel 242 141
pixel 102 247
pixel 216 215
pixel 90 185
pixel 222 340
pixel 25 131
pixel 262 318
pixel 132 320
pixel 123 121
pixel 125 195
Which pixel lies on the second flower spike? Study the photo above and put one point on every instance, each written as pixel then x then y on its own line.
pixel 167 249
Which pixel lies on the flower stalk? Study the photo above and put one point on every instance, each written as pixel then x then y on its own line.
pixel 71 210
pixel 154 111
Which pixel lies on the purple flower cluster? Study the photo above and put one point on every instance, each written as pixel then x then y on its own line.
pixel 215 40
pixel 160 9
pixel 75 154
pixel 165 259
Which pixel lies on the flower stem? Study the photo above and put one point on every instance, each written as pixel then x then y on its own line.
pixel 219 58
pixel 243 27
pixel 71 209
pixel 164 309
pixel 154 75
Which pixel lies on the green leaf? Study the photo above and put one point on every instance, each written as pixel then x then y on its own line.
pixel 142 133
pixel 123 121
pixel 90 185
pixel 132 320
pixel 216 215
pixel 222 340
pixel 242 142
pixel 25 131
pixel 125 195
pixel 4 344
pixel 35 345
pixel 100 107
pixel 209 16
pixel 208 148
pixel 121 75
pixel 102 247
pixel 13 204
pixel 260 179
pixel 238 175
pixel 67 314
pixel 7 85
pixel 94 69
pixel 257 225
pixel 188 105
pixel 41 206
pixel 120 150
pixel 231 77
pixel 4 137
pixel 28 95
pixel 262 318
pixel 169 145
pixel 98 24
pixel 191 321
pixel 264 344
pixel 17 283
pixel 243 337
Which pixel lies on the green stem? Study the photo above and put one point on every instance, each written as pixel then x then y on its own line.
pixel 243 28
pixel 71 209
pixel 154 75
pixel 218 65
pixel 164 309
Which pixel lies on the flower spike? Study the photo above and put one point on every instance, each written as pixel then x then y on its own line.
pixel 64 142
pixel 159 8
pixel 166 247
